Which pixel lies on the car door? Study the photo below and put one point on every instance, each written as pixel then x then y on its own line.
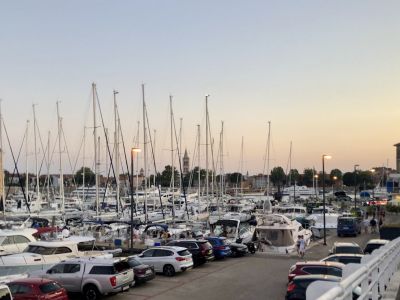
pixel 72 276
pixel 147 257
pixel 55 273
pixel 161 258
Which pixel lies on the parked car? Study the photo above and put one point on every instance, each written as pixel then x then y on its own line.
pixel 315 267
pixel 142 272
pixel 167 259
pixel 220 247
pixel 296 289
pixel 344 258
pixel 201 250
pixel 348 226
pixel 37 288
pixel 5 293
pixel 238 249
pixel 93 277
pixel 346 248
pixel 374 244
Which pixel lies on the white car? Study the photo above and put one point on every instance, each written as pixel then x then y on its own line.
pixel 167 259
pixel 15 241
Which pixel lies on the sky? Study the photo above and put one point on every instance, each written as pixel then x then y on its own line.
pixel 325 73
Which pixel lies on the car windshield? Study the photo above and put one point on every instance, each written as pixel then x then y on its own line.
pixel 371 247
pixel 346 221
pixel 347 249
pixel 40 250
pixel 225 231
pixel 49 287
pixel 121 266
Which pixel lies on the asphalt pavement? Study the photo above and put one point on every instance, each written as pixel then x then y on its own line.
pixel 258 276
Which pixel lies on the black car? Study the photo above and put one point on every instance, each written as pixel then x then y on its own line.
pixel 296 289
pixel 238 249
pixel 142 272
pixel 201 250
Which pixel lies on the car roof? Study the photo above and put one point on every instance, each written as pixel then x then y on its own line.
pixel 346 244
pixel 345 255
pixel 320 263
pixel 31 280
pixel 94 260
pixel 317 277
pixel 172 248
pixel 191 240
pixel 378 241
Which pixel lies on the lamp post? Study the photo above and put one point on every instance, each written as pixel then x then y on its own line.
pixel 324 156
pixel 355 187
pixel 316 186
pixel 133 150
pixel 333 184
pixel 373 183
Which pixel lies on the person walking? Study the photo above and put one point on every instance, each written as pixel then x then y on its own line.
pixel 372 223
pixel 302 246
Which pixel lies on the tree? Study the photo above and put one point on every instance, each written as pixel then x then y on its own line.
pixel 308 177
pixel 235 178
pixel 166 176
pixel 337 173
pixel 294 176
pixel 348 178
pixel 278 177
pixel 90 177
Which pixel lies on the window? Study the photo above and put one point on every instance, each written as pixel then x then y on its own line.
pixel 57 269
pixel 133 262
pixel 62 250
pixel 102 270
pixel 334 271
pixel 148 253
pixel 122 266
pixel 184 253
pixel 39 250
pixel 72 268
pixel 162 252
pixel 49 287
pixel 315 270
pixel 348 249
pixel 20 239
pixel 8 240
pixel 19 289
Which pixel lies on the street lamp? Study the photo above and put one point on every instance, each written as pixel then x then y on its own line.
pixel 373 183
pixel 133 151
pixel 334 183
pixel 355 187
pixel 316 186
pixel 324 156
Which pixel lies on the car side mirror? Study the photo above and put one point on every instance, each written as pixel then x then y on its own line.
pixel 49 271
pixel 330 252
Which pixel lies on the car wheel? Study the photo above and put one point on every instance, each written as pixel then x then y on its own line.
pixel 90 292
pixel 169 270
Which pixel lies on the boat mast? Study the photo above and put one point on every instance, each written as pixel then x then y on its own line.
pixel 116 145
pixel 207 199
pixel 137 165
pixel 199 175
pixel 180 151
pixel 145 153
pixel 36 158
pixel 241 167
pixel 96 166
pixel 83 165
pixel 60 158
pixel 172 160
pixel 221 166
pixel 3 198
pixel 26 161
pixel 155 172
pixel 268 148
pixel 48 166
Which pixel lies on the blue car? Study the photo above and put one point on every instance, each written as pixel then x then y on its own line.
pixel 220 247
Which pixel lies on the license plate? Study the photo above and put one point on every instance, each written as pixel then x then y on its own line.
pixel 149 272
pixel 125 288
pixel 345 227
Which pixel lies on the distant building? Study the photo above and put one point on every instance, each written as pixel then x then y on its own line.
pixel 186 163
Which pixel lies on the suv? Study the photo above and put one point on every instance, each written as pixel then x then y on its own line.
pixel 201 250
pixel 348 226
pixel 345 248
pixel 315 267
pixel 92 277
pixel 5 293
pixel 221 248
pixel 374 244
pixel 344 258
pixel 167 260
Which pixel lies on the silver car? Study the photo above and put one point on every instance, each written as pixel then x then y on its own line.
pixel 92 277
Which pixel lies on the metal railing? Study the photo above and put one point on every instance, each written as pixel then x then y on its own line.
pixel 369 279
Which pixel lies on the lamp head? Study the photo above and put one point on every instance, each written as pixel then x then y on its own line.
pixel 326 156
pixel 136 150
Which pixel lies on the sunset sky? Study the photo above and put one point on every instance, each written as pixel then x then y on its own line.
pixel 325 73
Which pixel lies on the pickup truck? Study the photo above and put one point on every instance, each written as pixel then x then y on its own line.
pixel 93 277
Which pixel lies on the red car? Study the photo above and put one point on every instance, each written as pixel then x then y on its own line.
pixel 37 289
pixel 315 268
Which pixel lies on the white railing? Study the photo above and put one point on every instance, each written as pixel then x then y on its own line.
pixel 371 276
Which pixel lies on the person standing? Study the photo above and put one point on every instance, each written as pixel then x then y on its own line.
pixel 302 246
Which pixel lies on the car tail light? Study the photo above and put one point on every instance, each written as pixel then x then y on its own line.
pixel 113 281
pixel 140 271
pixel 292 268
pixel 291 287
pixel 220 248
pixel 180 258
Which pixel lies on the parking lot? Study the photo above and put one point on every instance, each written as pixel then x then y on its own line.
pixel 258 276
